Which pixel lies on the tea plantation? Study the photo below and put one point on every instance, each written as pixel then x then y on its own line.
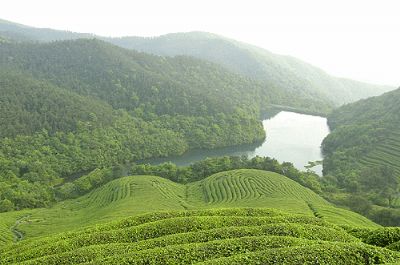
pixel 233 217
pixel 226 236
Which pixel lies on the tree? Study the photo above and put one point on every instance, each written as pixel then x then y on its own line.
pixel 6 205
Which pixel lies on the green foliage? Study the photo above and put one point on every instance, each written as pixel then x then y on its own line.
pixel 29 106
pixel 84 184
pixel 6 205
pixel 323 253
pixel 139 82
pixel 381 237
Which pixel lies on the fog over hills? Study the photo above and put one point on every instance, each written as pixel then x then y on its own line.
pixel 286 73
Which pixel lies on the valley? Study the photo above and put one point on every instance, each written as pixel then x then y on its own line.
pixel 190 148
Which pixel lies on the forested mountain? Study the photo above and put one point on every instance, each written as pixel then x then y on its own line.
pixel 363 151
pixel 72 106
pixel 288 73
pixel 283 73
pixel 28 106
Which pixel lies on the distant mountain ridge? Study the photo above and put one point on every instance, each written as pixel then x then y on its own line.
pixel 288 74
pixel 285 72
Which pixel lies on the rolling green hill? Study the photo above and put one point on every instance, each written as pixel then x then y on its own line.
pixel 253 188
pixel 140 194
pixel 363 151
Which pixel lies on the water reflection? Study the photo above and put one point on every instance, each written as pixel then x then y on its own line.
pixel 291 137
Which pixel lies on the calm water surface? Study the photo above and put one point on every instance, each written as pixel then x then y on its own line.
pixel 291 137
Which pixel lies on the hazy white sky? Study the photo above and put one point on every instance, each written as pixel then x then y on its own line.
pixel 359 39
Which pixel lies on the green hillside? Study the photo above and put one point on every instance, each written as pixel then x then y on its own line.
pixel 227 236
pixel 311 87
pixel 363 151
pixel 29 106
pixel 137 81
pixel 70 107
pixel 140 194
pixel 288 73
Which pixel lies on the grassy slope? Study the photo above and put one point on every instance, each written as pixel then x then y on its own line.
pixel 139 194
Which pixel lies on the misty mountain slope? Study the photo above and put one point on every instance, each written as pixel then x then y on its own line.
pixel 162 85
pixel 288 73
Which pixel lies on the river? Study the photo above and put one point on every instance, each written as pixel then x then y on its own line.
pixel 291 137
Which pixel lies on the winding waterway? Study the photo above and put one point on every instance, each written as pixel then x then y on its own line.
pixel 291 137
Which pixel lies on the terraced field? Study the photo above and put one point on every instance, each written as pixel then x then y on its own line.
pixel 140 194
pixel 386 152
pixel 225 236
pixel 8 226
pixel 366 132
pixel 254 188
pixel 120 198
